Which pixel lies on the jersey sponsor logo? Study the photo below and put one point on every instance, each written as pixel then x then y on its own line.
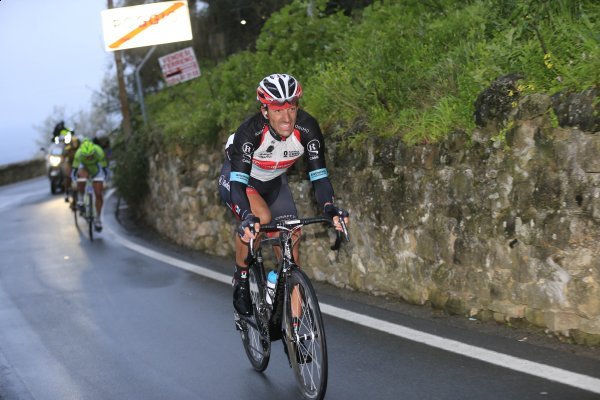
pixel 224 182
pixel 318 174
pixel 247 149
pixel 291 153
pixel 237 210
pixel 239 177
pixel 313 149
pixel 265 154
pixel 302 128
pixel 272 165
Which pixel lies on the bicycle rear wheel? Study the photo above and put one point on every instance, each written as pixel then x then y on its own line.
pixel 255 329
pixel 306 345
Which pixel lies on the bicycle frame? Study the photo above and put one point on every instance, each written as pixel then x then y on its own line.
pixel 285 241
pixel 293 315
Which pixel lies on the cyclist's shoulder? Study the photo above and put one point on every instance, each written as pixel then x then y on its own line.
pixel 251 124
pixel 307 125
pixel 304 117
pixel 250 130
pixel 99 149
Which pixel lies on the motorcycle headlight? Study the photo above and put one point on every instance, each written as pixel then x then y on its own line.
pixel 54 160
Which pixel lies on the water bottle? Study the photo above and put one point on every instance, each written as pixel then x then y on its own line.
pixel 271 283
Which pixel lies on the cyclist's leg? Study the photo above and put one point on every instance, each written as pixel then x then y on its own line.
pixel 82 175
pixel 67 180
pixel 241 288
pixel 98 183
pixel 260 209
pixel 283 207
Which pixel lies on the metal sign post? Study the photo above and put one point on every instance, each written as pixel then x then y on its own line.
pixel 138 81
pixel 145 25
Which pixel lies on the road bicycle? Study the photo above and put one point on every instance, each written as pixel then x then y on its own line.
pixel 293 314
pixel 88 209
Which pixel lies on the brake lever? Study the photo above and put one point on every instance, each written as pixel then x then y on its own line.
pixel 340 235
pixel 250 256
pixel 344 229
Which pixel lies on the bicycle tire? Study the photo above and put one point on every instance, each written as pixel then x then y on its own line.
pixel 89 215
pixel 255 329
pixel 75 213
pixel 307 351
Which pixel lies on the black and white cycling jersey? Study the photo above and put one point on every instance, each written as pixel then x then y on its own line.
pixel 258 155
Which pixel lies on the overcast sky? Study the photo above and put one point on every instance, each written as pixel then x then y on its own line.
pixel 52 54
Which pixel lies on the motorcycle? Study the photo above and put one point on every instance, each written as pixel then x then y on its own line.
pixel 54 167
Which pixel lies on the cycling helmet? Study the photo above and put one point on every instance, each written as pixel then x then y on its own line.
pixel 87 148
pixel 278 91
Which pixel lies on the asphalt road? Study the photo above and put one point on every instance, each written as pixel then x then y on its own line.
pixel 131 316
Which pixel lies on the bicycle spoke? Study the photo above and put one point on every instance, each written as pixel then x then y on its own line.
pixel 307 338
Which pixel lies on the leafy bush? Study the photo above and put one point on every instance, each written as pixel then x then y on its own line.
pixel 409 68
pixel 131 173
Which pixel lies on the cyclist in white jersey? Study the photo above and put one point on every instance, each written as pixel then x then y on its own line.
pixel 253 181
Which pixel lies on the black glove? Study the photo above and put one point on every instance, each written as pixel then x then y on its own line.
pixel 248 222
pixel 332 211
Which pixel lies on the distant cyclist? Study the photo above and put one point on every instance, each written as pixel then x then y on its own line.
pixel 90 161
pixel 69 156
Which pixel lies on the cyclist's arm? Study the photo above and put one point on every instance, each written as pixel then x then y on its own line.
pixel 240 153
pixel 314 148
pixel 101 157
pixel 77 159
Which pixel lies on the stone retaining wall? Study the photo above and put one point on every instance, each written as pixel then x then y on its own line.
pixel 492 229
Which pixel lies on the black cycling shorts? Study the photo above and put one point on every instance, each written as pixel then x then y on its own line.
pixel 276 193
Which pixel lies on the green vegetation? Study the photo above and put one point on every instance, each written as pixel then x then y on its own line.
pixel 410 68
pixel 131 174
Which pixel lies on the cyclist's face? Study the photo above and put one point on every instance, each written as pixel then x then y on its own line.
pixel 283 121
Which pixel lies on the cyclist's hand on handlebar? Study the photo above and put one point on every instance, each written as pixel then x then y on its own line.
pixel 249 228
pixel 335 213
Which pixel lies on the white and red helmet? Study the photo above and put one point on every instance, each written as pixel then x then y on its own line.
pixel 279 91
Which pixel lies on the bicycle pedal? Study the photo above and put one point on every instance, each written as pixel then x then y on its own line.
pixel 240 325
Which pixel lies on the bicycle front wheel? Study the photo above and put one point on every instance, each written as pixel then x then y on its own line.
pixel 305 335
pixel 255 329
pixel 89 215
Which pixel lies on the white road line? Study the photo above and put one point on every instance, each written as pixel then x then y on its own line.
pixel 544 371
pixel 503 360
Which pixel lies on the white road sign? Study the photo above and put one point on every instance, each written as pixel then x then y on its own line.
pixel 179 66
pixel 146 25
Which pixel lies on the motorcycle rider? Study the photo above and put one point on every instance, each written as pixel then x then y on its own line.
pixel 90 161
pixel 60 132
